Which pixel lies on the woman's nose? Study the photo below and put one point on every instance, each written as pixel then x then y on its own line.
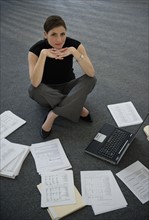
pixel 58 39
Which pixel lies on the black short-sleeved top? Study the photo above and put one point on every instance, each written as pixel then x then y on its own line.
pixel 56 71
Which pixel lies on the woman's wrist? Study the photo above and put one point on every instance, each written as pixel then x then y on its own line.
pixel 73 50
pixel 76 54
pixel 43 53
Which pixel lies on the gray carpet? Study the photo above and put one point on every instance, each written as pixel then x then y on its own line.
pixel 115 34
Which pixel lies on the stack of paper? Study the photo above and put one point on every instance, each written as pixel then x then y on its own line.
pixel 136 178
pixel 125 114
pixel 11 158
pixel 101 191
pixel 9 123
pixel 49 156
pixel 63 191
pixel 58 212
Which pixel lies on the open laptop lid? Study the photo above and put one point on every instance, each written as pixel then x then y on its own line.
pixel 134 135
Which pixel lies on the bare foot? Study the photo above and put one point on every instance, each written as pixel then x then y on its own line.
pixel 47 125
pixel 84 112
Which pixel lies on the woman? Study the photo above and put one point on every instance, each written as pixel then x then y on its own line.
pixel 53 81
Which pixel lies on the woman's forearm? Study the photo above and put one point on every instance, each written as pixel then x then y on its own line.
pixel 84 62
pixel 37 72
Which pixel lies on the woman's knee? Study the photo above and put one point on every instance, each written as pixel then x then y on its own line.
pixel 91 81
pixel 31 91
pixel 34 91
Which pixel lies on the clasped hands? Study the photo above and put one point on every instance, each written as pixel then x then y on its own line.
pixel 59 54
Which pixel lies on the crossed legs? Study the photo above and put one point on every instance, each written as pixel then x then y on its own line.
pixel 48 123
pixel 66 100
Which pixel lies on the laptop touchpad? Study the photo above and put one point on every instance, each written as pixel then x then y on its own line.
pixel 100 137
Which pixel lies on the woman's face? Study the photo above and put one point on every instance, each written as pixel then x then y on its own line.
pixel 56 37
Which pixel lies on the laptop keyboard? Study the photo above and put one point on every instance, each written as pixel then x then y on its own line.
pixel 114 144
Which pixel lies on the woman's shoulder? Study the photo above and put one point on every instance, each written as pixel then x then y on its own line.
pixel 38 46
pixel 72 42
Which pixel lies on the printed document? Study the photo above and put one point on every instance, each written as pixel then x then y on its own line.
pixel 9 123
pixel 101 191
pixel 8 153
pixel 50 156
pixel 12 157
pixel 136 178
pixel 13 168
pixel 125 114
pixel 57 188
pixel 58 212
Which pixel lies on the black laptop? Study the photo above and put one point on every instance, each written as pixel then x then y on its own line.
pixel 110 143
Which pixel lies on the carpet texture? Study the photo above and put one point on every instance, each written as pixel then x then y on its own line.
pixel 115 34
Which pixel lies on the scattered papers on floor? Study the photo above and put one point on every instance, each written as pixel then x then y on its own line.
pixel 49 156
pixel 9 123
pixel 11 158
pixel 125 114
pixel 136 178
pixel 58 193
pixel 58 212
pixel 57 188
pixel 101 191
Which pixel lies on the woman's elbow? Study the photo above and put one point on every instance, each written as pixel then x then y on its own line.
pixel 34 83
pixel 92 73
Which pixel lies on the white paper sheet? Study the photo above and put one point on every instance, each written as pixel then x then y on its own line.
pixel 50 156
pixel 57 188
pixel 100 189
pixel 13 168
pixel 8 152
pixel 9 123
pixel 125 114
pixel 136 178
pixel 118 200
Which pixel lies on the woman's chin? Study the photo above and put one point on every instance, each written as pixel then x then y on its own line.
pixel 58 46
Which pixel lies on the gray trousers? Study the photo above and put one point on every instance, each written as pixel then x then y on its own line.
pixel 66 100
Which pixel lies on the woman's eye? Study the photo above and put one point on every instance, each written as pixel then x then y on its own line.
pixel 56 35
pixel 53 34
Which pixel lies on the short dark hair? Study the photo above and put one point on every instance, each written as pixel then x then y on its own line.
pixel 52 22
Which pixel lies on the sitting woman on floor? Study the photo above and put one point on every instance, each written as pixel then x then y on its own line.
pixel 53 82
